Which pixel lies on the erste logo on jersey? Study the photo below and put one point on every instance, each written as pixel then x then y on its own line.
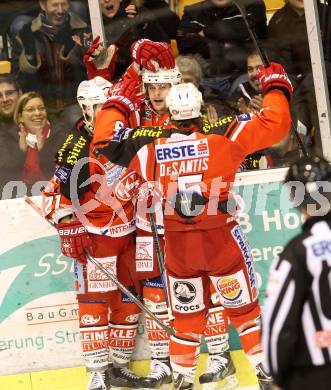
pixel 182 151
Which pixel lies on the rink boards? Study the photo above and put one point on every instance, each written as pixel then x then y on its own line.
pixel 38 310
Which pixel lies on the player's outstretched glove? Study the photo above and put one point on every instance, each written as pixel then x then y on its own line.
pixel 145 52
pixel 275 77
pixel 126 96
pixel 74 240
pixel 100 61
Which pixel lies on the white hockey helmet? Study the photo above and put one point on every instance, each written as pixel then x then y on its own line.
pixel 162 76
pixel 184 101
pixel 91 93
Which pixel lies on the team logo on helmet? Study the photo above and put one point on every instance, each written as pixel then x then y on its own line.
pixel 185 292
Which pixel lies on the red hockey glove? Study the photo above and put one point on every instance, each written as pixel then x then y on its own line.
pixel 144 51
pixel 275 77
pixel 74 240
pixel 127 97
pixel 99 61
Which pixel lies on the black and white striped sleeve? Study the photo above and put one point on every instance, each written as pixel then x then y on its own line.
pixel 281 313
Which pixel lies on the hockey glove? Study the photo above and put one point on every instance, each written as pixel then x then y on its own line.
pixel 74 240
pixel 145 51
pixel 126 96
pixel 275 77
pixel 100 61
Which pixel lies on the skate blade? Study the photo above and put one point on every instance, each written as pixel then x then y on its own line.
pixel 230 382
pixel 168 386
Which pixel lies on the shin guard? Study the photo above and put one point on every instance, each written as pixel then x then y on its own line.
pixel 93 326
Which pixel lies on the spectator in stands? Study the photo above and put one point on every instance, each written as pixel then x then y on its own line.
pixel 28 11
pixel 288 45
pixel 125 23
pixel 246 96
pixel 11 159
pixel 215 31
pixel 190 69
pixel 191 72
pixel 10 91
pixel 36 139
pixel 247 93
pixel 46 55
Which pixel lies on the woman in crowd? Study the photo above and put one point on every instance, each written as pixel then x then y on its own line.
pixel 36 138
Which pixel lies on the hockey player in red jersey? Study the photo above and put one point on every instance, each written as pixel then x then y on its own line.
pixel 195 172
pixel 108 320
pixel 154 112
pixel 144 271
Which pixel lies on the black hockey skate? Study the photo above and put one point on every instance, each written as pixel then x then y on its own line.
pixel 220 367
pixel 99 380
pixel 123 377
pixel 181 384
pixel 264 379
pixel 160 374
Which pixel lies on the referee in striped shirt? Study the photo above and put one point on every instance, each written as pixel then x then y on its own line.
pixel 296 320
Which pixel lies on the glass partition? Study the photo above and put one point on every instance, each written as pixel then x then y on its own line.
pixel 42 44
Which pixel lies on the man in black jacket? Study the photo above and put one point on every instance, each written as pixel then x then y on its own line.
pixel 46 56
pixel 296 315
pixel 288 44
pixel 216 31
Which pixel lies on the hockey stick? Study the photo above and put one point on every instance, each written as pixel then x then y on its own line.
pixel 266 63
pixel 252 34
pixel 160 258
pixel 110 275
pixel 128 293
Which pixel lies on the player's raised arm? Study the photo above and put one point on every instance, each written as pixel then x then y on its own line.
pixel 272 124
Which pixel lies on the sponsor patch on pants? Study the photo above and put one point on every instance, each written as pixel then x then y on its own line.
pixel 233 289
pixel 144 254
pixel 186 295
pixel 98 281
pixel 241 240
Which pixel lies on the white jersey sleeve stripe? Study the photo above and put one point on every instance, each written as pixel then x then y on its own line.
pixel 283 312
pixel 143 158
pixel 310 329
pixel 274 290
pixel 238 131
